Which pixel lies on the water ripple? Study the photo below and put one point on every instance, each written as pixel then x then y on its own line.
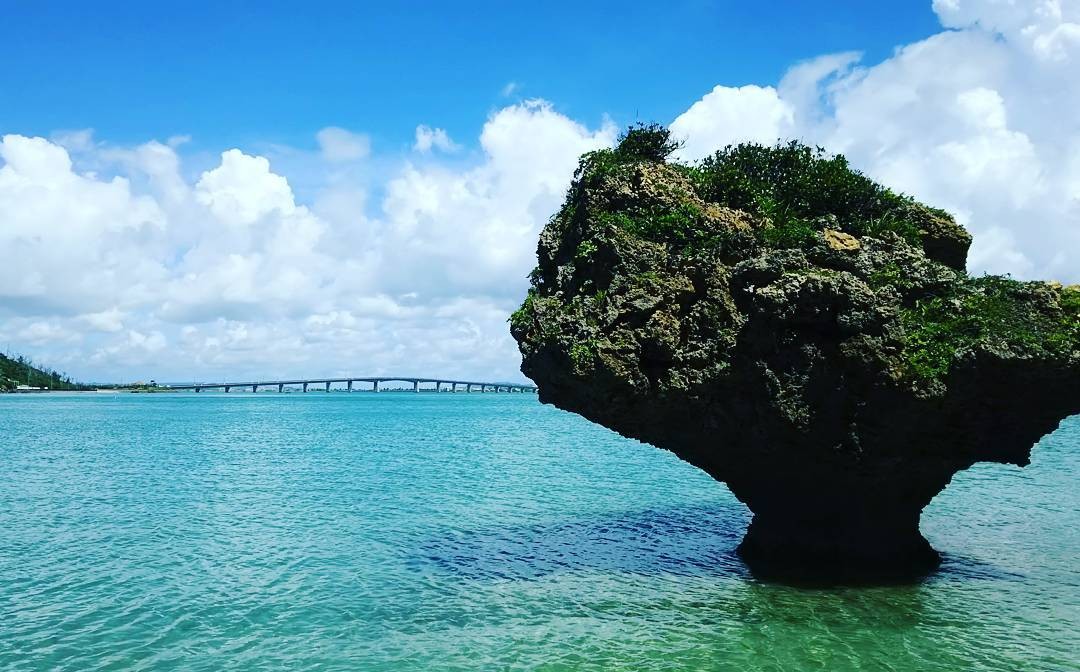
pixel 454 532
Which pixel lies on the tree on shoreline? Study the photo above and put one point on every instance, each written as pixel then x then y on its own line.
pixel 19 370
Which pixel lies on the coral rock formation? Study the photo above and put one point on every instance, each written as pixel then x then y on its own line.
pixel 800 333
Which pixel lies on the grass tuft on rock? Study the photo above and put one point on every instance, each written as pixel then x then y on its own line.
pixel 801 188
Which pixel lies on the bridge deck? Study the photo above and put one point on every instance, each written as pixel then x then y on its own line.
pixel 374 380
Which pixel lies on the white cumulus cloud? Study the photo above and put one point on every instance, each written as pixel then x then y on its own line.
pixel 120 267
pixel 728 115
pixel 428 138
pixel 339 145
pixel 242 189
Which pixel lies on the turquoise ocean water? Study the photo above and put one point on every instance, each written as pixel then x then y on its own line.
pixel 485 532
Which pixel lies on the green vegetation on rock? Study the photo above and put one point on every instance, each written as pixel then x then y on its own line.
pixel 752 201
pixel 520 317
pixel 799 189
pixel 995 313
pixel 581 354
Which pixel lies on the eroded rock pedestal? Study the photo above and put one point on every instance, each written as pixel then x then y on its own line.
pixel 834 366
pixel 821 523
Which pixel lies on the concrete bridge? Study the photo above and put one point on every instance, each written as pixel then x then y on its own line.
pixel 433 384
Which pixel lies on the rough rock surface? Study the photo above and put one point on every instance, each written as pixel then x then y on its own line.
pixel 835 381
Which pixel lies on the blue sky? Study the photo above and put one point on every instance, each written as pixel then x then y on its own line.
pixel 238 73
pixel 246 190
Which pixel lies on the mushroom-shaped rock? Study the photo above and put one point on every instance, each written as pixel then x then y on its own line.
pixel 800 333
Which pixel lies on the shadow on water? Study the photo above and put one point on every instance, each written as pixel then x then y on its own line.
pixel 682 541
pixel 957 567
pixel 692 541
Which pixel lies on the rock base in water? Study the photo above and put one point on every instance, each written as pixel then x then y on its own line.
pixel 837 548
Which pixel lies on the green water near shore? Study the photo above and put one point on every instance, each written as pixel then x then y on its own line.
pixel 446 532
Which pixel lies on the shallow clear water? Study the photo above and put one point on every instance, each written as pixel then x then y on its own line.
pixel 404 532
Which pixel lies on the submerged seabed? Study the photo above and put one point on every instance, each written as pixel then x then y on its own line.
pixel 404 532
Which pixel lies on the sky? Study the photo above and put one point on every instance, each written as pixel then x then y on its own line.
pixel 257 190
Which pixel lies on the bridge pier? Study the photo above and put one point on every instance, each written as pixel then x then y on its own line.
pixel 438 386
pixel 374 386
pixel 198 389
pixel 349 388
pixel 226 389
pixel 328 386
pixel 254 389
pixel 280 388
pixel 305 387
pixel 416 386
